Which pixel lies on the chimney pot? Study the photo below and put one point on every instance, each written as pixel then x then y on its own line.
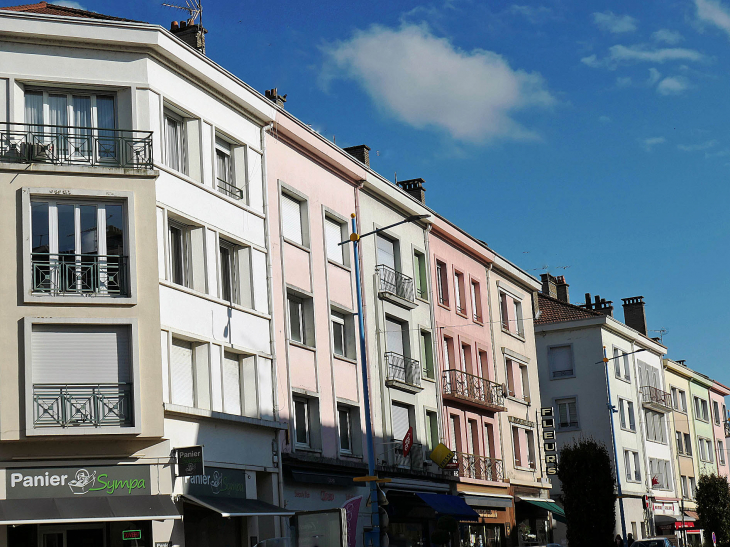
pixel 183 24
pixel 190 33
pixel 634 314
pixel 174 26
pixel 361 152
pixel 414 187
pixel 682 362
pixel 273 95
pixel 549 285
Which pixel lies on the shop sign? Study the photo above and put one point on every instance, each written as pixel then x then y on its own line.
pixel 190 461
pixel 520 421
pixel 217 481
pixel 66 482
pixel 667 507
pixel 548 439
pixel 442 456
pixel 679 525
pixel 486 513
pixel 129 535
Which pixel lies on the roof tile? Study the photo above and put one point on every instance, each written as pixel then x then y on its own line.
pixel 56 9
pixel 556 311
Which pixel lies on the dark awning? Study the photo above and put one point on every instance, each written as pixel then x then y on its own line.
pixel 554 508
pixel 664 519
pixel 312 477
pixel 449 505
pixel 87 509
pixel 238 507
pixel 488 501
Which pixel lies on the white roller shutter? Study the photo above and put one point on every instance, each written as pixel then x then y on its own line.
pixel 81 354
pixel 386 252
pixel 401 421
pixel 394 337
pixel 333 238
pixel 561 360
pixel 291 219
pixel 181 372
pixel 231 383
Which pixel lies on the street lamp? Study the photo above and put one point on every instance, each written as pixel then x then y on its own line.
pixel 355 238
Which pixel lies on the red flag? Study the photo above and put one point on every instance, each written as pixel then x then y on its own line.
pixel 654 481
pixel 408 441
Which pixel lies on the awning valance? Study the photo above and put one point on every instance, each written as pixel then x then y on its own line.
pixel 488 501
pixel 554 508
pixel 238 507
pixel 87 509
pixel 691 516
pixel 446 504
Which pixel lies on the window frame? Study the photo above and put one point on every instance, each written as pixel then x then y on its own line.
pixel 551 369
pixel 566 401
pixel 475 292
pixel 348 411
pixel 287 193
pixel 180 144
pixel 459 293
pixel 299 302
pixel 185 258
pixel 233 271
pixel 627 416
pixel 442 283
pixel 342 259
pixel 624 357
pixel 308 423
pixel 338 319
pixel 420 274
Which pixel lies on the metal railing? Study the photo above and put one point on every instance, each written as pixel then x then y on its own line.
pixel 394 282
pixel 103 275
pixel 414 459
pixel 654 396
pixel 82 405
pixel 462 385
pixel 231 190
pixel 70 145
pixel 474 466
pixel 477 317
pixel 403 369
pixel 727 428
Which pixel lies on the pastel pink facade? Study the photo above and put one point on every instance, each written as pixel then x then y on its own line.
pixel 718 392
pixel 465 372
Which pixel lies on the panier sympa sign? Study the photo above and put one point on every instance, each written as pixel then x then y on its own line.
pixel 548 439
pixel 66 482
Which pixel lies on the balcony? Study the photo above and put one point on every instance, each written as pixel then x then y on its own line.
pixel 232 191
pixel 396 458
pixel 80 275
pixel 403 372
pixel 82 405
pixel 462 386
pixel 67 145
pixel 727 428
pixel 474 466
pixel 656 399
pixel 395 287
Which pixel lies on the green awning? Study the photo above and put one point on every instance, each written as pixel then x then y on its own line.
pixel 554 508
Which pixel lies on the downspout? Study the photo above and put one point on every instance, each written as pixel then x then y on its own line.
pixel 272 328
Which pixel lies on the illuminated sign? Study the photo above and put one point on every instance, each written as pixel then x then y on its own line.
pixel 131 534
pixel 548 437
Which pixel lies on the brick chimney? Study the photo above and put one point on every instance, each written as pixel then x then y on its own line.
pixel 601 305
pixel 562 288
pixel 192 34
pixel 361 152
pixel 273 95
pixel 634 315
pixel 549 285
pixel 414 187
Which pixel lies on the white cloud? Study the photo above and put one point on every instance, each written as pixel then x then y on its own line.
pixel 70 4
pixel 695 147
pixel 654 76
pixel 534 14
pixel 426 81
pixel 651 142
pixel 713 12
pixel 670 37
pixel 674 85
pixel 623 81
pixel 616 24
pixel 641 54
pixel 604 119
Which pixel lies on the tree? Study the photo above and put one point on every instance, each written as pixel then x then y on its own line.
pixel 589 498
pixel 713 508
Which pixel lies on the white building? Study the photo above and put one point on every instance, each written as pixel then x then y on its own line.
pixel 570 347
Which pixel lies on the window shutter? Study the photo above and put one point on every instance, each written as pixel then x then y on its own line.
pixel 333 238
pixel 231 383
pixel 573 411
pixel 561 360
pixel 291 218
pixel 401 421
pixel 394 337
pixel 181 365
pixel 386 252
pixel 452 433
pixel 81 354
pixel 563 413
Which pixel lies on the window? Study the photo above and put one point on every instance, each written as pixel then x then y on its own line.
pixel 679 400
pixel 302 424
pixel 448 353
pixel 721 452
pixel 716 412
pixel 454 433
pixel 530 449
pixel 517 380
pixel 560 360
pixel 291 220
pixel 182 372
pixel 301 321
pixel 706 449
pixel 503 310
pixel 332 238
pixel 180 260
pixel 631 461
pixel 401 415
pixel 296 319
pixel 232 383
pixel 660 474
pixel 386 252
pixel 230 271
pixel 420 275
pixel 680 444
pixel 567 413
pixel 655 426
pixel 519 326
pixel 441 283
pixel 685 487
pixel 459 293
pixel 78 247
pixel 432 430
pixel 621 359
pixel 427 354
pixel 701 410
pixel 345 423
pixel 476 302
pixel 175 142
pixel 225 169
pixel 516 445
pixel 692 487
pixel 687 444
pixel 338 333
pixel 626 414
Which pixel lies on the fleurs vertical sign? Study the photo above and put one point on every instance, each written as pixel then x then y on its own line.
pixel 548 440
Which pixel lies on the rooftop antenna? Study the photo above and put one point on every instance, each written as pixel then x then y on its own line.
pixel 193 7
pixel 661 333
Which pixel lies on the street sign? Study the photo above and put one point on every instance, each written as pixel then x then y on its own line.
pixel 441 455
pixel 190 461
pixel 408 442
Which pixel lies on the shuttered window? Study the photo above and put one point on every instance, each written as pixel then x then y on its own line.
pixel 231 383
pixel 401 421
pixel 560 359
pixel 81 354
pixel 333 238
pixel 181 373
pixel 386 252
pixel 394 336
pixel 567 413
pixel 291 219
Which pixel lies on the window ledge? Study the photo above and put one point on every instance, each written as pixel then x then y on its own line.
pixel 562 377
pixel 215 415
pixel 624 380
pixel 462 315
pixel 301 448
pixel 297 245
pixel 444 306
pixel 342 358
pixel 214 299
pixel 300 345
pixel 80 169
pixel 339 265
pixel 424 300
pixel 353 457
pixel 397 300
pixel 480 323
pixel 682 455
pixel 574 428
pixel 432 380
pixel 36 298
pixel 628 430
pixel 522 468
pixel 514 334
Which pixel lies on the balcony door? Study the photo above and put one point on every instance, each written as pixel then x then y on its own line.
pixel 394 337
pixel 386 252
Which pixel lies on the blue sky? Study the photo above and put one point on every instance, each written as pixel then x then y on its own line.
pixel 587 137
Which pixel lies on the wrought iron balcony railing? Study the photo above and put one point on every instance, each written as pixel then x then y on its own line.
pixel 69 145
pixel 82 405
pixel 414 459
pixel 85 274
pixel 727 428
pixel 232 191
pixel 394 282
pixel 656 399
pixel 461 385
pixel 474 466
pixel 403 369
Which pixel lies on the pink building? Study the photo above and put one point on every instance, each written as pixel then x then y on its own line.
pixel 718 392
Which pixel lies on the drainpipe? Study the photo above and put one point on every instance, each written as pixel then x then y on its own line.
pixel 272 328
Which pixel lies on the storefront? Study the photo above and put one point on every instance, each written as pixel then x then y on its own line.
pixel 111 506
pixel 666 515
pixel 494 512
pixel 534 520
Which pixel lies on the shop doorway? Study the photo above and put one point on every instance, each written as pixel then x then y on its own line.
pixel 73 537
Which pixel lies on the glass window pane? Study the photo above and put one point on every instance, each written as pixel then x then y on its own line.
pixel 89 242
pixel 345 430
pixel 300 424
pixel 39 228
pixel 176 255
pixel 34 107
pixel 338 333
pixel 66 230
pixel 114 230
pixel 295 320
pixel 226 274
